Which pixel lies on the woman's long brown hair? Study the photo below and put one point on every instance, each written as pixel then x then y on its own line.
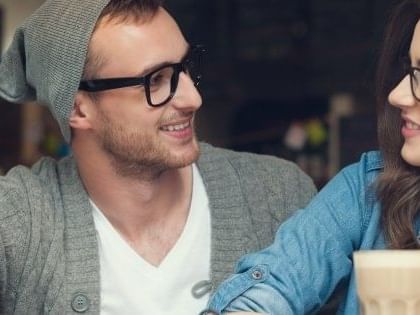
pixel 398 187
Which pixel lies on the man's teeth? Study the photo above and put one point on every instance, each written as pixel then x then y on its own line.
pixel 176 127
pixel 411 125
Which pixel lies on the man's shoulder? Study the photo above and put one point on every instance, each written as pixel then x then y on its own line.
pixel 280 177
pixel 22 175
pixel 271 188
pixel 249 161
pixel 243 157
pixel 23 185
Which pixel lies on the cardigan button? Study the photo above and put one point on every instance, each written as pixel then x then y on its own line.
pixel 201 288
pixel 80 303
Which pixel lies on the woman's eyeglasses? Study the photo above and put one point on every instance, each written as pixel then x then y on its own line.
pixel 414 73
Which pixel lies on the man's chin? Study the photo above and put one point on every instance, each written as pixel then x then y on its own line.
pixel 188 160
pixel 184 159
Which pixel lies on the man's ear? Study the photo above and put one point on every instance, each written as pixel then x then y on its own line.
pixel 80 116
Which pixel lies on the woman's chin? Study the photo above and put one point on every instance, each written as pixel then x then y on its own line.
pixel 411 155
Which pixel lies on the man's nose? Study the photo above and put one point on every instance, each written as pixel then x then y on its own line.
pixel 186 95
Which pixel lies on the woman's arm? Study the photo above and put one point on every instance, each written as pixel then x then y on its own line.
pixel 311 254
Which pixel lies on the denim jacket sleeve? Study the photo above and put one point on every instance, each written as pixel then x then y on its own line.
pixel 311 254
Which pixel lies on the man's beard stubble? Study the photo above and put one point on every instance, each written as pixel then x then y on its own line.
pixel 139 154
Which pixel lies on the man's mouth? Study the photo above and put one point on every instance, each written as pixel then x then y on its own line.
pixel 177 126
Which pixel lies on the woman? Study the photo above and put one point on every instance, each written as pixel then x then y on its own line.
pixel 373 204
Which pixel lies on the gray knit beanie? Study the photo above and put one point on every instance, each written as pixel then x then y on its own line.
pixel 46 58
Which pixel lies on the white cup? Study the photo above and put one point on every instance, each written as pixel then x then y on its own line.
pixel 388 281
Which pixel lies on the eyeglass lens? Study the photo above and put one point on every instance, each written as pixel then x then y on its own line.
pixel 162 84
pixel 415 78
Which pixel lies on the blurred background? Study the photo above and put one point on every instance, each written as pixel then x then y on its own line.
pixel 293 79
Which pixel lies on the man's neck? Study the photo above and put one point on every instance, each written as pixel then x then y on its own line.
pixel 150 214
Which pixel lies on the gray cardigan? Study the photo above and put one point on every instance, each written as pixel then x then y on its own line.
pixel 48 248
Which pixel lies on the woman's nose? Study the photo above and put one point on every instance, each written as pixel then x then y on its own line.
pixel 402 95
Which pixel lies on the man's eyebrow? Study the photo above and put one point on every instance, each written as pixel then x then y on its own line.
pixel 153 67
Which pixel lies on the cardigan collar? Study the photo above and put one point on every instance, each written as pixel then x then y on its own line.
pixel 230 218
pixel 230 237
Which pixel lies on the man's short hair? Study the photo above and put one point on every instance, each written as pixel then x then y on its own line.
pixel 120 11
pixel 127 9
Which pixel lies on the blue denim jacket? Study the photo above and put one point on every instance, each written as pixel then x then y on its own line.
pixel 312 251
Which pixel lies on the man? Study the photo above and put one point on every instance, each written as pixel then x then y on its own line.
pixel 136 221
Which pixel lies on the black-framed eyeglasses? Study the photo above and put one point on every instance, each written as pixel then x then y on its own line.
pixel 159 85
pixel 414 74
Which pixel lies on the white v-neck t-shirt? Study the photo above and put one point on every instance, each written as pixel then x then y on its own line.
pixel 130 285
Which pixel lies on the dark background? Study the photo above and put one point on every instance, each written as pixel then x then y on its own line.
pixel 270 64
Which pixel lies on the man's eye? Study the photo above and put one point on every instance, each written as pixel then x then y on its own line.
pixel 156 79
pixel 161 77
